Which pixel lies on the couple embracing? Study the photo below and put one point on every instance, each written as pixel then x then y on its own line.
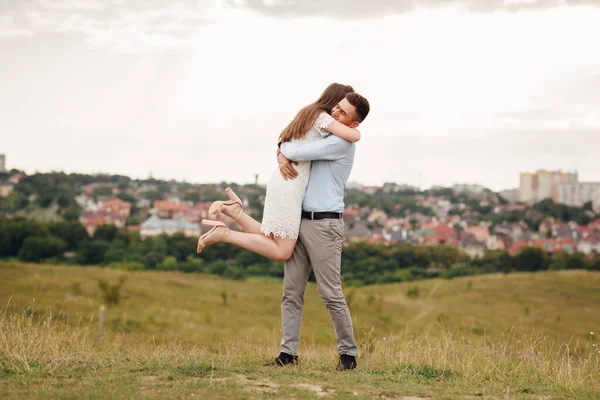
pixel 302 219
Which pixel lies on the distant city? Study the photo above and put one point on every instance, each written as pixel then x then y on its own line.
pixel 561 187
pixel 549 209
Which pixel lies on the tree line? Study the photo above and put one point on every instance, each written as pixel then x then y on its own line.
pixel 67 242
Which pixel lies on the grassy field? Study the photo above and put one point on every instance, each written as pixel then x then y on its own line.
pixel 175 335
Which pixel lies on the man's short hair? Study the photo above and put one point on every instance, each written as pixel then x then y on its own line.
pixel 361 104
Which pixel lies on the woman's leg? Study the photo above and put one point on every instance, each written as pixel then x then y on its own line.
pixel 234 210
pixel 248 224
pixel 269 246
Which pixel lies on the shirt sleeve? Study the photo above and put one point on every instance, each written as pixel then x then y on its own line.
pixel 322 123
pixel 329 149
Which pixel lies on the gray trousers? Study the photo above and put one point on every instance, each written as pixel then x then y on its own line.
pixel 319 247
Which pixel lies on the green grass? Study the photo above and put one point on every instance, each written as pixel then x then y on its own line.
pixel 521 336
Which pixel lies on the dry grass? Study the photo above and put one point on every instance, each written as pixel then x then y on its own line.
pixel 50 348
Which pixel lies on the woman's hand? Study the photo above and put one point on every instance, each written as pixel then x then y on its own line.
pixel 286 168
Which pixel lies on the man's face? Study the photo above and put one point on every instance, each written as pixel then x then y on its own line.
pixel 345 112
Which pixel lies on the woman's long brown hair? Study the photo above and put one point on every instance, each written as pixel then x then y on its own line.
pixel 303 121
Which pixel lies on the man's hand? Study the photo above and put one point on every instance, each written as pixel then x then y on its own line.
pixel 286 167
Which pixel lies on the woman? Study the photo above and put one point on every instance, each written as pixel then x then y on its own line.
pixel 276 237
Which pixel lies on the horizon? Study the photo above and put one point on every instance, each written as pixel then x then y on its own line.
pixel 349 183
pixel 199 92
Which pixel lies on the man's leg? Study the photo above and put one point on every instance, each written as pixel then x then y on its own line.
pixel 323 241
pixel 296 272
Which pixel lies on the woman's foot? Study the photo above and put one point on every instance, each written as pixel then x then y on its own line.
pixel 215 235
pixel 232 208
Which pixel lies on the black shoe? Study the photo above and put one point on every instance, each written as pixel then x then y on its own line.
pixel 284 359
pixel 346 362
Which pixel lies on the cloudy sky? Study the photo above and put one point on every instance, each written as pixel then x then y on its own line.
pixel 468 91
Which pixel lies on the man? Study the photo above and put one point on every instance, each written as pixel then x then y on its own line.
pixel 321 235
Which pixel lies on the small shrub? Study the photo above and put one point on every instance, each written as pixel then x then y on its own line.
pixel 234 273
pixel 195 369
pixel 224 298
pixel 111 294
pixel 370 298
pixel 441 318
pixel 125 325
pixel 478 330
pixel 208 317
pixel 427 372
pixel 385 318
pixel 367 341
pixel 151 318
pixel 127 265
pixel 350 296
pixel 76 289
pixel 413 292
pixel 31 312
pixel 169 263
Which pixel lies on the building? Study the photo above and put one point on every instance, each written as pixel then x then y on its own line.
pixel 353 186
pixel 567 193
pixel 470 245
pixel 6 189
pixel 360 231
pixel 590 191
pixel 117 206
pixel 590 245
pixel 578 193
pixel 88 190
pixel 378 217
pixel 371 189
pixel 198 212
pixel 16 178
pixel 493 242
pixel 481 233
pixel 542 184
pixel 91 220
pixel 510 195
pixel 468 188
pixel 155 226
pixel 167 208
pixel 391 187
pixel 2 163
pixel 526 191
pixel 399 235
pixel 545 180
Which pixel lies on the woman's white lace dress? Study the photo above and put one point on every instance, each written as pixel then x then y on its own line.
pixel 283 201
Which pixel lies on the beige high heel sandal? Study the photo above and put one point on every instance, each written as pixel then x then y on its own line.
pixel 224 207
pixel 213 236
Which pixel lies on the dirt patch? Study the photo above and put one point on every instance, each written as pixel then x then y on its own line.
pixel 148 383
pixel 316 389
pixel 265 386
pixel 252 384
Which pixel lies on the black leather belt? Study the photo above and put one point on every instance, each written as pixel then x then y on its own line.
pixel 321 215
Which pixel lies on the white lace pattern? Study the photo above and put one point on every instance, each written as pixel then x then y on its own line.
pixel 283 201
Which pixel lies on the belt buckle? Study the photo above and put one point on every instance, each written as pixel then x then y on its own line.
pixel 312 215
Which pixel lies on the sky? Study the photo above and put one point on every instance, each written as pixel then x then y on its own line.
pixel 461 91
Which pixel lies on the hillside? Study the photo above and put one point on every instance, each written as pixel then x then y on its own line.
pixel 443 324
pixel 191 306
